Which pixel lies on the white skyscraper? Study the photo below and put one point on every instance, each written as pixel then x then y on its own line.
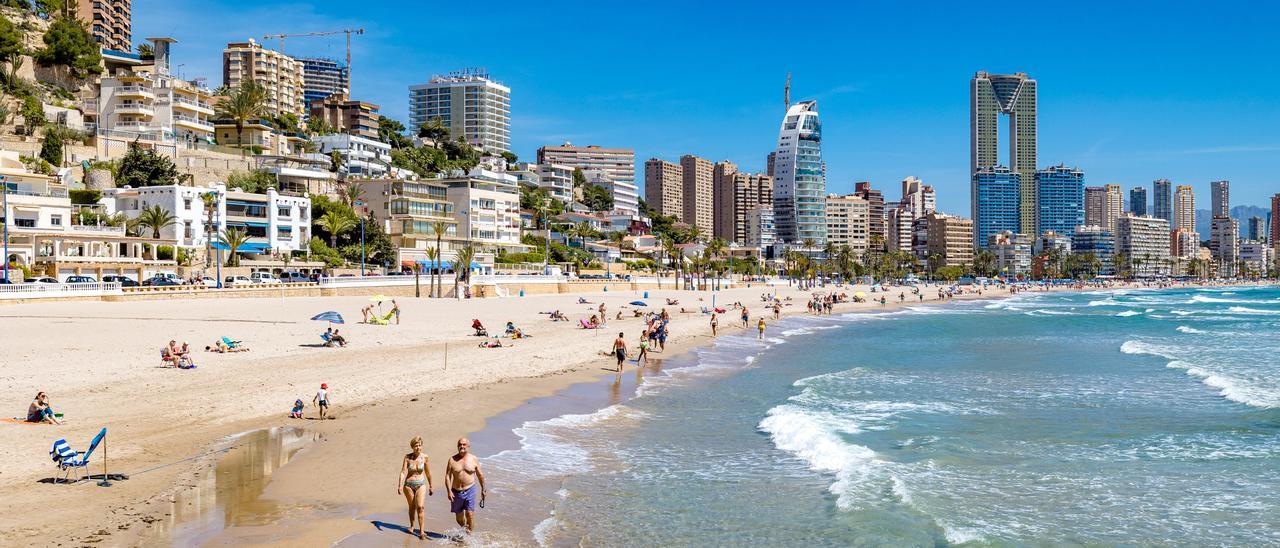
pixel 467 102
pixel 800 182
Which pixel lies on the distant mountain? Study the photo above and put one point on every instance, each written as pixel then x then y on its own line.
pixel 1240 213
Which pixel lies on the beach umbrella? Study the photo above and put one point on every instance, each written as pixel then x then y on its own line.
pixel 379 298
pixel 637 303
pixel 330 316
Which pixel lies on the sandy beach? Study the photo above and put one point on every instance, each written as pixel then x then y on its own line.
pixel 100 364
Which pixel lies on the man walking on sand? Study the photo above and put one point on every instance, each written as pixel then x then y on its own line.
pixel 461 476
pixel 620 350
pixel 746 317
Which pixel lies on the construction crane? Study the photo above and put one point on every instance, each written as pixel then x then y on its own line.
pixel 348 32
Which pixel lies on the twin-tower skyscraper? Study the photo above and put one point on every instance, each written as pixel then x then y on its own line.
pixel 1014 96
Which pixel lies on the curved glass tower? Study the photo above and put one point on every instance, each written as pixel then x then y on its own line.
pixel 799 177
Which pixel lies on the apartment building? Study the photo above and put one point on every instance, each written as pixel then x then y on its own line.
pixel 950 238
pixel 1012 253
pixel 1224 243
pixel 487 207
pixel 1256 258
pixel 323 77
pixel 279 75
pixel 848 221
pixel 1184 243
pixel 626 197
pixel 760 230
pixel 472 105
pixel 408 211
pixel 109 21
pixel 346 115
pixel 618 163
pixel 875 210
pixel 1184 208
pixel 556 179
pixel 146 102
pixel 736 193
pixel 361 156
pixel 1099 242
pixel 664 188
pixel 697 197
pixel 1144 241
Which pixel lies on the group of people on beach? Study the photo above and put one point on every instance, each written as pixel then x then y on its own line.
pixel 463 483
pixel 177 356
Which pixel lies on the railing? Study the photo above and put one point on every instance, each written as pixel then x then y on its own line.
pixel 44 291
pixel 132 90
pixel 189 102
pixel 94 228
pixel 370 281
pixel 190 120
pixel 497 279
pixel 54 193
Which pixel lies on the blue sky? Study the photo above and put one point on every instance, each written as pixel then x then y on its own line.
pixel 1129 93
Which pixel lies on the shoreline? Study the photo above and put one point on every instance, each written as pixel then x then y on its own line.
pixel 139 507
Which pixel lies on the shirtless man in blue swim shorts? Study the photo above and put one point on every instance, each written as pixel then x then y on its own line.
pixel 462 477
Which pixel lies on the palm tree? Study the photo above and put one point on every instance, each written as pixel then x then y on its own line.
pixel 439 228
pixel 352 192
pixel 210 201
pixel 245 103
pixel 715 248
pixel 984 263
pixel 464 257
pixel 672 253
pixel 582 231
pixel 233 238
pixel 336 222
pixel 155 218
pixel 433 255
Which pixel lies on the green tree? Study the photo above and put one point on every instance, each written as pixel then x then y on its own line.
pixel 433 255
pixel 392 132
pixel 510 157
pixel 318 126
pixel 462 265
pixel 139 168
pixel 69 44
pixel 11 48
pixel 597 198
pixel 579 178
pixel 51 147
pixel 209 201
pixel 47 8
pixel 425 161
pixel 439 228
pixel 233 239
pixel 256 181
pixel 245 104
pixel 32 112
pixel 335 223
pixel 435 130
pixel 156 218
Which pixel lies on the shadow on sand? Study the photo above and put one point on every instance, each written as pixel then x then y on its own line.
pixel 384 526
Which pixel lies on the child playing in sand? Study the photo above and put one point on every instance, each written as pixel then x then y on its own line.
pixel 297 409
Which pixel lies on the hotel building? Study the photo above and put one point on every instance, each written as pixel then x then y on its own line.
pixel 847 221
pixel 736 194
pixel 1184 209
pixel 346 115
pixel 950 238
pixel 1012 95
pixel 278 74
pixel 1144 241
pixel 473 106
pixel 323 77
pixel 664 188
pixel 1060 193
pixel 1162 200
pixel 1099 242
pixel 408 211
pixel 996 192
pixel 1012 253
pixel 799 177
pixel 109 21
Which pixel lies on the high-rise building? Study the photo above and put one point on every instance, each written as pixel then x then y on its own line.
pixel 1224 244
pixel 1060 192
pixel 698 196
pixel 996 195
pixel 1221 199
pixel 1275 221
pixel 736 194
pixel 323 77
pixel 950 238
pixel 875 211
pixel 899 227
pixel 847 224
pixel 1115 203
pixel 1184 243
pixel 1013 95
pixel 618 163
pixel 1095 206
pixel 347 116
pixel 664 188
pixel 278 74
pixel 1257 228
pixel 1138 201
pixel 468 102
pixel 110 21
pixel 1184 209
pixel 1144 241
pixel 799 177
pixel 1097 241
pixel 760 230
pixel 1256 258
pixel 1162 200
pixel 723 203
pixel 918 197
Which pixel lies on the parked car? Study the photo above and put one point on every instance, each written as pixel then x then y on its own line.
pixel 263 278
pixel 42 280
pixel 159 281
pixel 294 277
pixel 315 277
pixel 231 281
pixel 207 281
pixel 81 280
pixel 124 281
pixel 398 273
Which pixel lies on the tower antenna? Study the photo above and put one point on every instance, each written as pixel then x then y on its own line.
pixel 786 94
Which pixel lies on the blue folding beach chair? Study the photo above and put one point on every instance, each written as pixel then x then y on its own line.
pixel 68 460
pixel 230 343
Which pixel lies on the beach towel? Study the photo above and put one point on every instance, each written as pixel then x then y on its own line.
pixel 586 325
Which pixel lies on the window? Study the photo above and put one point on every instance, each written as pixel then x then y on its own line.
pixel 55 220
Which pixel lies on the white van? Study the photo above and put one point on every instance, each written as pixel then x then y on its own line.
pixel 263 278
pixel 231 281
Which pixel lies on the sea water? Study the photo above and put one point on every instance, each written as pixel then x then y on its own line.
pixel 1137 417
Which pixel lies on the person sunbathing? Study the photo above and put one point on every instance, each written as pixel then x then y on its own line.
pixel 491 343
pixel 558 316
pixel 594 322
pixel 582 300
pixel 479 328
pixel 673 302
pixel 39 410
pixel 338 339
pixel 510 330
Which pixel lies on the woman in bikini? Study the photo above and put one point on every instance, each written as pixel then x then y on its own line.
pixel 414 472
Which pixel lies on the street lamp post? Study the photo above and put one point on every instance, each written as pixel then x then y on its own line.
pixel 362 253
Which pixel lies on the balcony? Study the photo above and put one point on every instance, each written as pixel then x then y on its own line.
pixel 193 123
pixel 135 91
pixel 192 105
pixel 133 126
pixel 137 109
pixel 92 229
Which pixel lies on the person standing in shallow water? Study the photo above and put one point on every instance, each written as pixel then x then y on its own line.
pixel 414 472
pixel 760 326
pixel 461 477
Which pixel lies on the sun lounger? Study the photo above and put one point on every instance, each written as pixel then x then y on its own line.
pixel 68 460
pixel 230 343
